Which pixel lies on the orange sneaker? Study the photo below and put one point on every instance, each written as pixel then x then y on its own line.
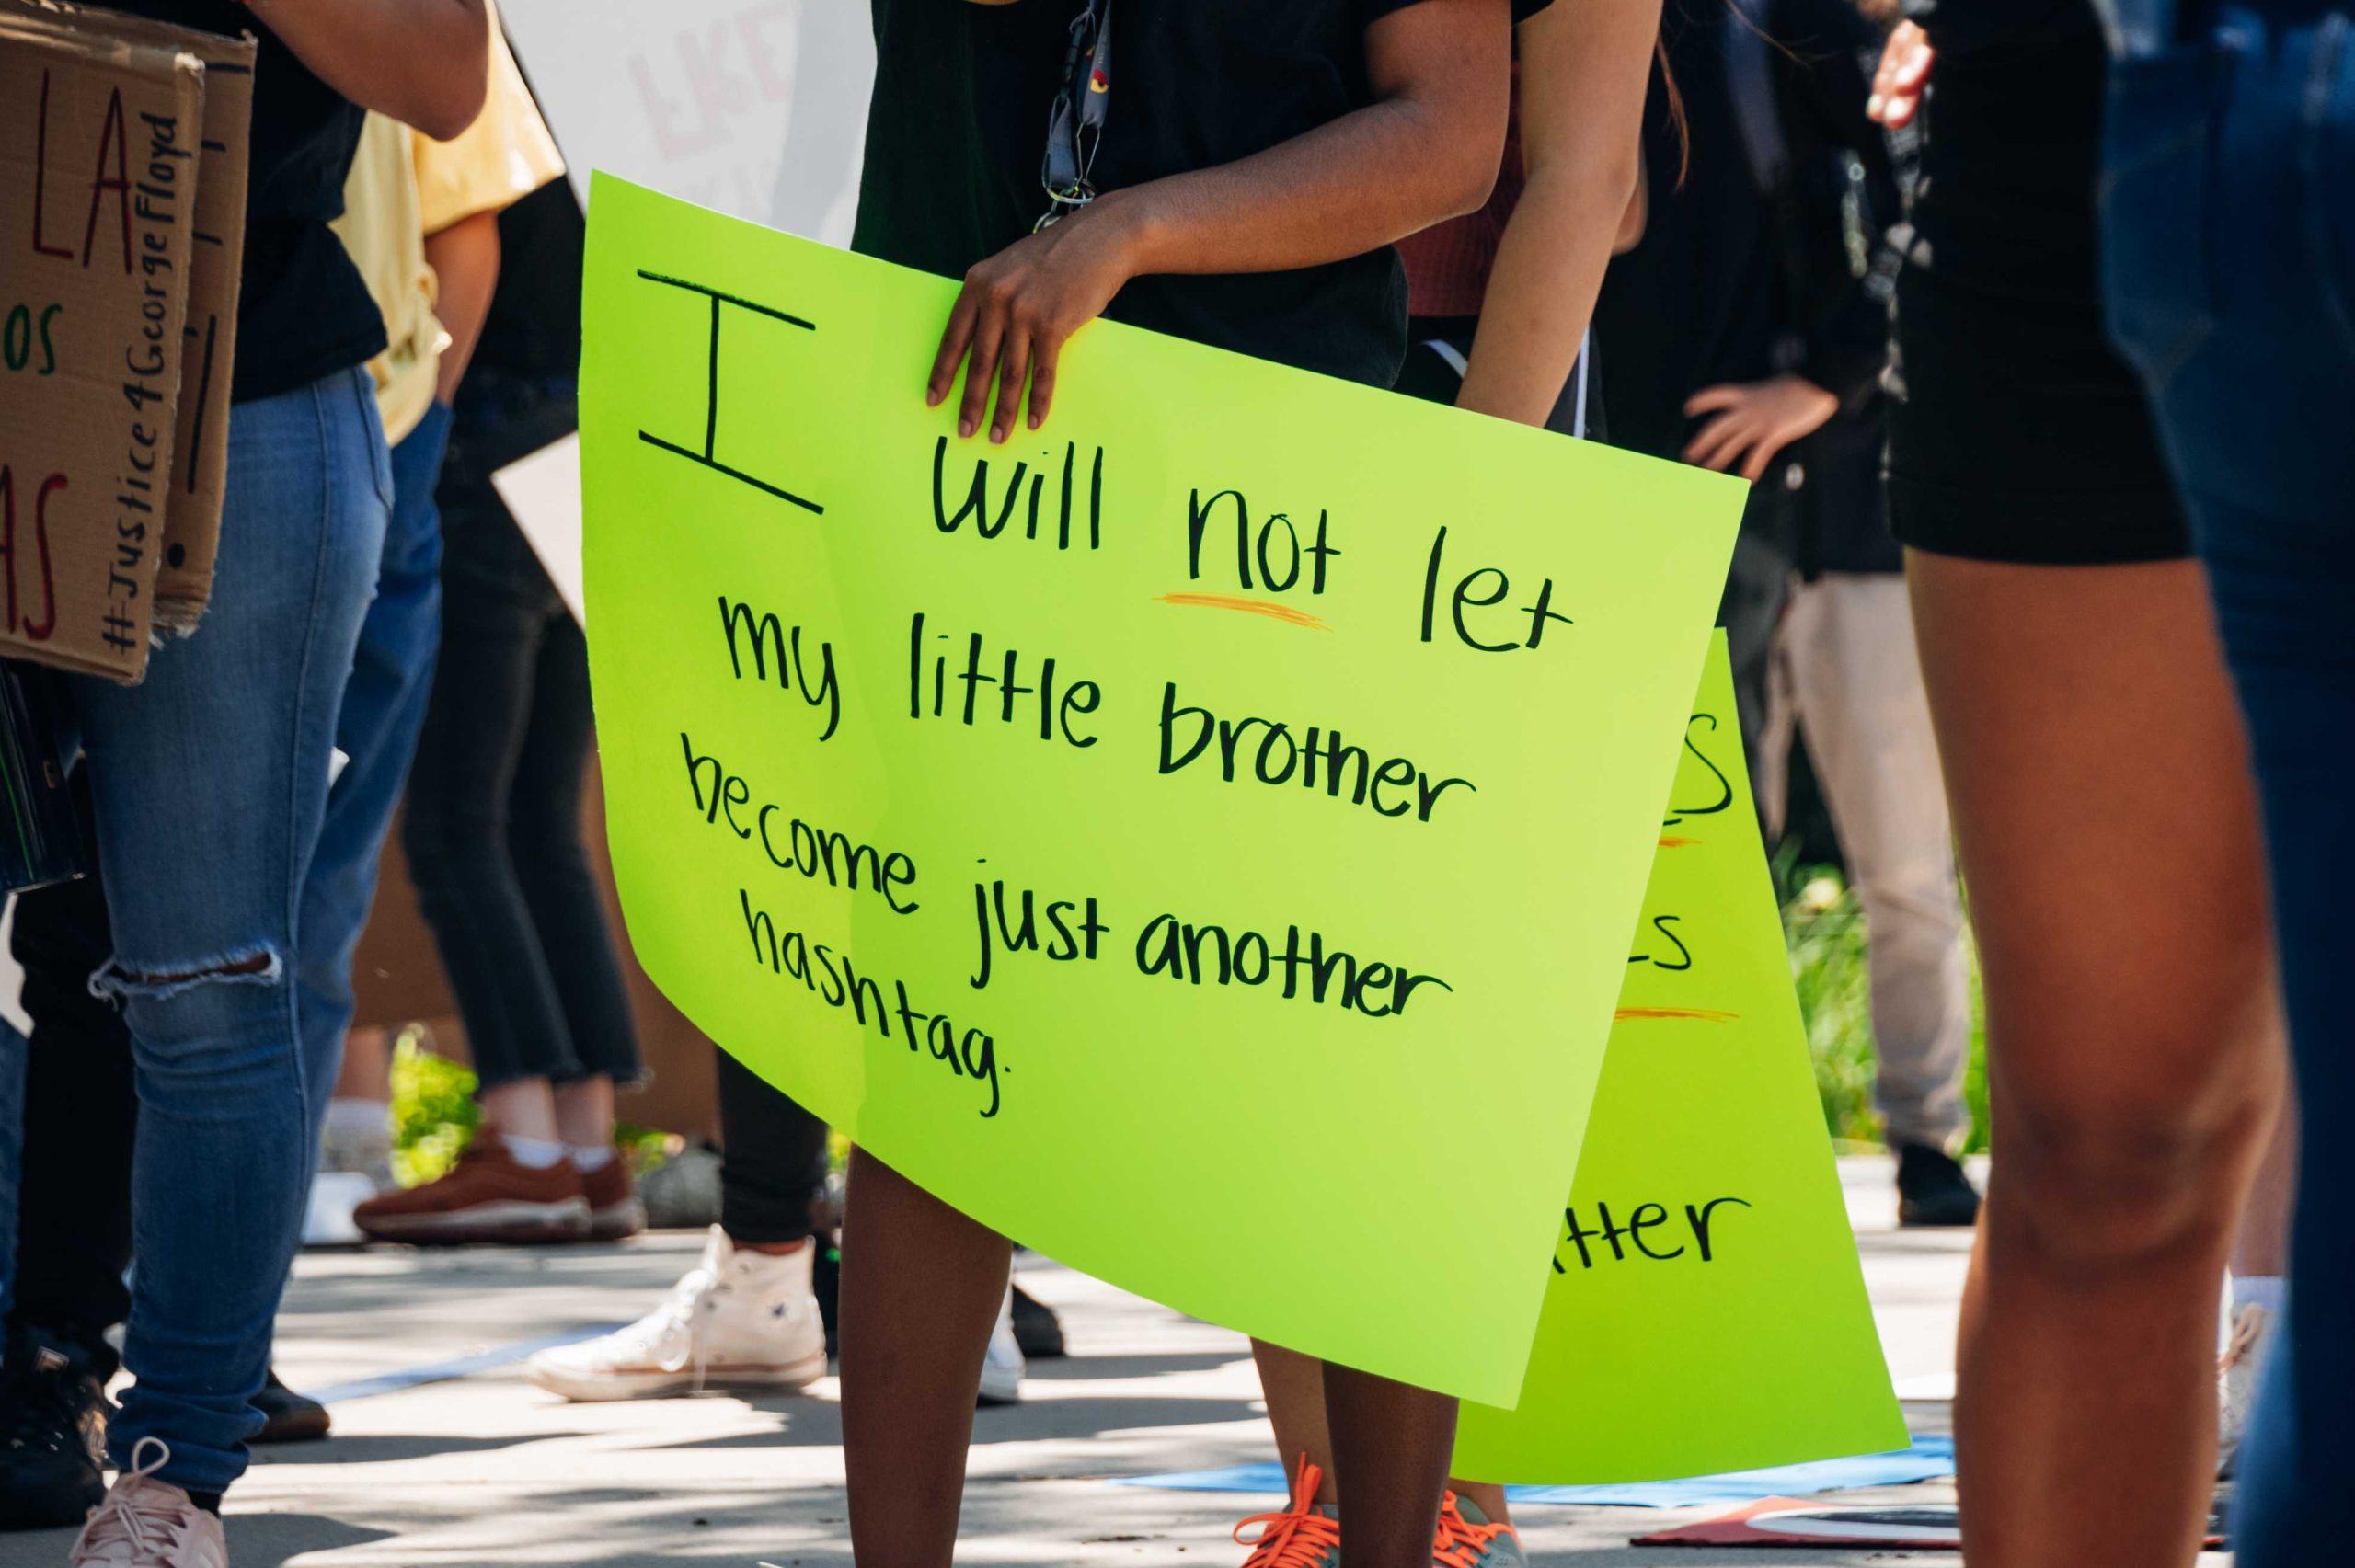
pixel 614 1208
pixel 1466 1539
pixel 490 1196
pixel 1306 1535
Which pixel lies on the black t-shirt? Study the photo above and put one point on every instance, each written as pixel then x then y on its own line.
pixel 958 125
pixel 1700 300
pixel 1966 31
pixel 534 327
pixel 302 312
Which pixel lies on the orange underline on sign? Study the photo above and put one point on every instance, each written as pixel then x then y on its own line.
pixel 1703 1014
pixel 1677 843
pixel 1248 606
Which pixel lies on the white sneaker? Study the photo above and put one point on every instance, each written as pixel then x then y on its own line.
pixel 336 1195
pixel 741 1320
pixel 1002 1369
pixel 2236 1372
pixel 146 1523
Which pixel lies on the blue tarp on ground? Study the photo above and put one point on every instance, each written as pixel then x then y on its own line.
pixel 1929 1458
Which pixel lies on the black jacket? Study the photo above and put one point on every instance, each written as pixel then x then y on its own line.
pixel 1770 253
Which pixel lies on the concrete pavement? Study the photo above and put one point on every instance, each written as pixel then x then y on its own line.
pixel 485 1471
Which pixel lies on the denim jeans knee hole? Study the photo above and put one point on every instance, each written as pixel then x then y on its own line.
pixel 120 980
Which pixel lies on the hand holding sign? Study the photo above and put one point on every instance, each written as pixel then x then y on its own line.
pixel 1019 308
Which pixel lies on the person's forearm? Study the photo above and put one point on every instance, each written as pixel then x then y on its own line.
pixel 1542 290
pixel 1347 187
pixel 425 63
pixel 465 259
pixel 1585 68
pixel 1425 150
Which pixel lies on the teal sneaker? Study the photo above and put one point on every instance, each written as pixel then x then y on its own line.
pixel 1466 1539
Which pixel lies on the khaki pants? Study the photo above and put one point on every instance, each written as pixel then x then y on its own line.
pixel 1844 670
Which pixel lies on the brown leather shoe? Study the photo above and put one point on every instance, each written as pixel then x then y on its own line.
pixel 615 1210
pixel 487 1196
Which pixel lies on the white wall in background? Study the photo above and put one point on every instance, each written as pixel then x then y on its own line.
pixel 757 107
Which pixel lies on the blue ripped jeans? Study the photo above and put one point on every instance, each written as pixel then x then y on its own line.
pixel 377 729
pixel 2229 239
pixel 208 782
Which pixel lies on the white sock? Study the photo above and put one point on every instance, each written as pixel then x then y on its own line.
pixel 591 1157
pixel 2271 1291
pixel 533 1153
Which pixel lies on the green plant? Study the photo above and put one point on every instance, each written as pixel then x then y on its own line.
pixel 1826 931
pixel 648 1148
pixel 434 1112
pixel 434 1117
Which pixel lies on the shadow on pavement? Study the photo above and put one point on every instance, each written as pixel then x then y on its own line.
pixel 385 1448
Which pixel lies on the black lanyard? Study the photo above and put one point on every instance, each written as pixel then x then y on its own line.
pixel 1076 123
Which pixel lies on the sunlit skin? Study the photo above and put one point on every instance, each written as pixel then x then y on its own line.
pixel 1905 63
pixel 2135 1057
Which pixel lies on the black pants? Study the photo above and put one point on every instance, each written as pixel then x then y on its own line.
pixel 493 828
pixel 772 1159
pixel 81 1113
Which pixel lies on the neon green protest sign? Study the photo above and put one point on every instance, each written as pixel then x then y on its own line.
pixel 1706 1311
pixel 1198 839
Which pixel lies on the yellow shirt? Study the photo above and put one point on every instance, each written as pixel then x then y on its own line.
pixel 404 187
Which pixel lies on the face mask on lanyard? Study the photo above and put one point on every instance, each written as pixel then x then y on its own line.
pixel 1076 123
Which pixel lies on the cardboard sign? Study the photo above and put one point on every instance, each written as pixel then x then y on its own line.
pixel 1707 1310
pixel 100 142
pixel 754 108
pixel 1198 839
pixel 201 441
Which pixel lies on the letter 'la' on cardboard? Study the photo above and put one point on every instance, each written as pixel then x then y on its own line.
pixel 1707 1313
pixel 99 144
pixel 191 536
pixel 200 445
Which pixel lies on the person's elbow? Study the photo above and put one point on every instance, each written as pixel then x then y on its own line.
pixel 1603 182
pixel 1463 180
pixel 1464 176
pixel 1623 193
pixel 1469 188
pixel 1461 149
pixel 449 101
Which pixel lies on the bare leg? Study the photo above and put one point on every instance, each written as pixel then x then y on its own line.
pixel 584 1112
pixel 2100 780
pixel 1486 1495
pixel 2261 1250
pixel 1391 1445
pixel 521 1107
pixel 1295 1388
pixel 367 1069
pixel 920 1293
